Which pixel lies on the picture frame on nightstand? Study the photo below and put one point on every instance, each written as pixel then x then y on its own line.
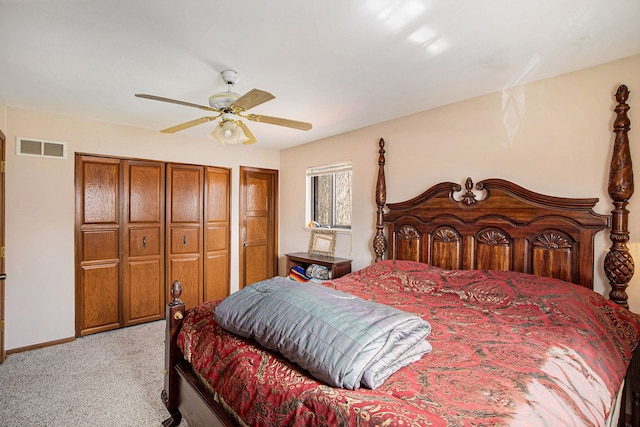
pixel 323 242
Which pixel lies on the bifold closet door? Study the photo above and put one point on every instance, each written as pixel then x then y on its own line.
pixel 97 244
pixel 119 243
pixel 143 241
pixel 184 233
pixel 140 225
pixel 217 234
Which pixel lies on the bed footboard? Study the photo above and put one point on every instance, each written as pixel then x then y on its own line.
pixel 184 394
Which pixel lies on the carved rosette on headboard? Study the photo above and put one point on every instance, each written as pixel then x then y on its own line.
pixel 618 264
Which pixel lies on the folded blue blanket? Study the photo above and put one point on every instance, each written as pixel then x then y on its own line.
pixel 339 338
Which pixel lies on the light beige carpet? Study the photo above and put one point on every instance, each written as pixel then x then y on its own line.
pixel 106 379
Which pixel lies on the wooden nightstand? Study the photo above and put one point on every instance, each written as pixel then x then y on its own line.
pixel 338 266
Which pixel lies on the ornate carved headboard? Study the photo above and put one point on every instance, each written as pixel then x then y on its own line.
pixel 509 227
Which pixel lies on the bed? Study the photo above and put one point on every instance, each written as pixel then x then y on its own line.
pixel 505 280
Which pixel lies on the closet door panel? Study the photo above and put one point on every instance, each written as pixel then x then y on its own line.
pixel 99 191
pixel 146 296
pixel 97 244
pixel 146 192
pixel 184 248
pixel 187 271
pixel 186 193
pixel 99 298
pixel 217 194
pixel 217 237
pixel 185 240
pixel 145 241
pixel 216 233
pixel 100 244
pixel 216 277
pixel 143 257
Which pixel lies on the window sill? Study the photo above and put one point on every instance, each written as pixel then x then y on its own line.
pixel 337 230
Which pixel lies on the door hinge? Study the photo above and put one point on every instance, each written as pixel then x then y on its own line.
pixel 2 252
pixel 2 325
pixel 3 166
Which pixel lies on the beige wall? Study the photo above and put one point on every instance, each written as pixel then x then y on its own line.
pixel 553 136
pixel 3 116
pixel 40 211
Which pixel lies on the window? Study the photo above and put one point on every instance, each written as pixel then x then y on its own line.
pixel 329 195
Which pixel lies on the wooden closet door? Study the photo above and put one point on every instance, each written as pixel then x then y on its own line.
pixel 97 244
pixel 143 241
pixel 184 231
pixel 216 233
pixel 258 224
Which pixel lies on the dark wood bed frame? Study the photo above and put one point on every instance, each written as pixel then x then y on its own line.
pixel 507 228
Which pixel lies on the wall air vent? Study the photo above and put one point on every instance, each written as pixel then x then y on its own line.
pixel 41 148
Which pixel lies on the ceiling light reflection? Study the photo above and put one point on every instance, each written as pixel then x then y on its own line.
pixel 398 14
pixel 438 46
pixel 406 15
pixel 422 35
pixel 428 38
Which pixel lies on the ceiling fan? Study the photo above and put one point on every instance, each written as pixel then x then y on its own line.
pixel 230 107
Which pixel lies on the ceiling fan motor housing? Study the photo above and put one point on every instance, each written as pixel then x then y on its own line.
pixel 223 100
pixel 230 77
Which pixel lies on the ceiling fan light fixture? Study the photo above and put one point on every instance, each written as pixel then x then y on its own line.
pixel 228 132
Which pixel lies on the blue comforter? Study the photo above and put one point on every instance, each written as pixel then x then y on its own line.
pixel 340 339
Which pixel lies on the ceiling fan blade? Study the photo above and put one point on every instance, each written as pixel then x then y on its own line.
pixel 175 101
pixel 188 124
pixel 251 99
pixel 252 139
pixel 280 122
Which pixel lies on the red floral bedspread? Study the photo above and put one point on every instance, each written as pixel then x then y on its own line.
pixel 509 349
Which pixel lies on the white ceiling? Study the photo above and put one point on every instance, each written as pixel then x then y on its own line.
pixel 339 64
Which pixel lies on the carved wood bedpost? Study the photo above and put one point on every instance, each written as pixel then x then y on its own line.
pixel 174 314
pixel 379 241
pixel 618 263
